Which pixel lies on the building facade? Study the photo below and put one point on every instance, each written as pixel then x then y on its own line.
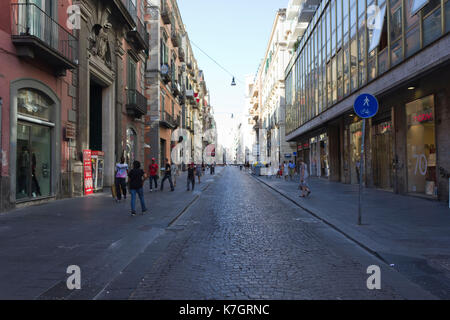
pixel 39 58
pixel 397 50
pixel 276 149
pixel 71 90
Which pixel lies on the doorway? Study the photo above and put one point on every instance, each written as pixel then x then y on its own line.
pixel 95 117
pixel 382 155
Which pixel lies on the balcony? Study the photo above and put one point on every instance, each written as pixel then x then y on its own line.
pixel 37 36
pixel 128 11
pixel 136 103
pixel 181 55
pixel 176 91
pixel 168 121
pixel 190 96
pixel 139 36
pixel 307 10
pixel 175 37
pixel 166 14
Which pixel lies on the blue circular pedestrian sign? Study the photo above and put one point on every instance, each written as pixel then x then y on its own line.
pixel 366 106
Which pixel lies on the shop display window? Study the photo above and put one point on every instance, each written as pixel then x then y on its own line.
pixel 421 146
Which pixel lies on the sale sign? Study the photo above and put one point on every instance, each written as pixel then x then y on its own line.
pixel 87 165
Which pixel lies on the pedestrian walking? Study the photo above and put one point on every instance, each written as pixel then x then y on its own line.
pixel 167 176
pixel 198 172
pixel 120 183
pixel 136 180
pixel 175 173
pixel 291 169
pixel 304 186
pixel 285 170
pixel 153 173
pixel 191 176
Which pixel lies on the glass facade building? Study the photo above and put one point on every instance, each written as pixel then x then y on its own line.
pixel 333 58
pixel 397 50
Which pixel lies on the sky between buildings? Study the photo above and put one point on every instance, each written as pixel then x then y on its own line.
pixel 235 33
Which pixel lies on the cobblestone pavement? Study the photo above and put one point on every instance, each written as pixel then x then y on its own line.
pixel 241 240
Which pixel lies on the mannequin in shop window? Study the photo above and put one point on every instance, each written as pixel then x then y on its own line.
pixel 35 188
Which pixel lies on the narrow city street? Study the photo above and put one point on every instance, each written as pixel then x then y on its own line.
pixel 233 238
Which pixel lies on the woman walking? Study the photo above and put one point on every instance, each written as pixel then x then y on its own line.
pixel 198 172
pixel 137 177
pixel 304 179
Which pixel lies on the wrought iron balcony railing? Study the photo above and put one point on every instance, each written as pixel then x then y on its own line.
pixel 136 103
pixel 166 15
pixel 42 37
pixel 140 35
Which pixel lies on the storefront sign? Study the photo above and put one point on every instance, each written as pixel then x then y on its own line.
pixel 87 166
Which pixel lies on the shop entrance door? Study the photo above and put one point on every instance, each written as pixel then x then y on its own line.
pixel 33 161
pixel 382 167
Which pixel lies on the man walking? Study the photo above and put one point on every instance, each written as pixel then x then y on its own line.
pixel 191 176
pixel 291 169
pixel 121 174
pixel 137 177
pixel 167 175
pixel 153 173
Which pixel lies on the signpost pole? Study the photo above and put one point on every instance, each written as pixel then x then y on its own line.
pixel 361 170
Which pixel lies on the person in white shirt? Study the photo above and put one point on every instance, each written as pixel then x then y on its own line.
pixel 285 170
pixel 175 173
pixel 121 174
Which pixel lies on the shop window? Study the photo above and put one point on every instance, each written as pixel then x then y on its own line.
pixel 421 146
pixel 35 104
pixel 33 161
pixel 355 149
pixel 431 22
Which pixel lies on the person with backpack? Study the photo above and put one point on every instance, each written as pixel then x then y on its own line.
pixel 191 176
pixel 167 175
pixel 120 183
pixel 136 180
pixel 153 173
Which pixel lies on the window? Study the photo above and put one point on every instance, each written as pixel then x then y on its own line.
pixel 353 64
pixel 35 104
pixel 346 70
pixel 396 19
pixel 416 5
pixel 131 83
pixel 163 102
pixel 431 21
pixel 447 16
pixel 334 78
pixel 376 30
pixel 340 92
